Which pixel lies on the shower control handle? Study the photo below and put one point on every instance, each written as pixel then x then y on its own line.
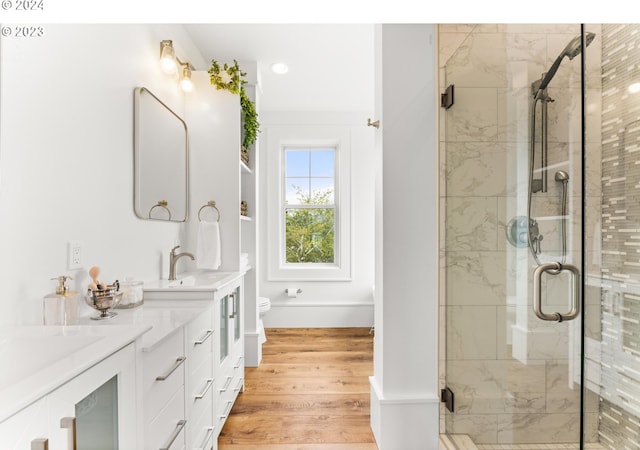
pixel 555 268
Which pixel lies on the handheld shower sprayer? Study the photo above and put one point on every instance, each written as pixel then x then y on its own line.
pixel 573 49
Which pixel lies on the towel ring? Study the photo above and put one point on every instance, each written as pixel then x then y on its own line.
pixel 162 204
pixel 210 204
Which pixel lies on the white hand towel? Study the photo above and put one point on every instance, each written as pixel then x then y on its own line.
pixel 208 246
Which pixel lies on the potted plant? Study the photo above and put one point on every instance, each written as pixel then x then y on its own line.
pixel 230 77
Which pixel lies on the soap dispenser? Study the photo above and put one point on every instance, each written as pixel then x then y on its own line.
pixel 61 307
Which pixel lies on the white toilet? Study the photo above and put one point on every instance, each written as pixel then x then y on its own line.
pixel 264 305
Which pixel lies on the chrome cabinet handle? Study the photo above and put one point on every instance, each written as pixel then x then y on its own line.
pixel 207 438
pixel 205 337
pixel 180 425
pixel 40 444
pixel 70 424
pixel 232 299
pixel 239 363
pixel 227 410
pixel 226 384
pixel 238 388
pixel 555 268
pixel 207 386
pixel 177 364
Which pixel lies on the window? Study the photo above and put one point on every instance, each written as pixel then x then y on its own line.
pixel 308 200
pixel 309 208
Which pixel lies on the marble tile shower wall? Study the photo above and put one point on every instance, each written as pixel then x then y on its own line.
pixel 620 405
pixel 508 370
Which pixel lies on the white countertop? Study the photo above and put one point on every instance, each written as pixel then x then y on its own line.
pixel 38 359
pixel 163 316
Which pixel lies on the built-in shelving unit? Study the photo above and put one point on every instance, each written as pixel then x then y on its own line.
pixel 248 229
pixel 218 173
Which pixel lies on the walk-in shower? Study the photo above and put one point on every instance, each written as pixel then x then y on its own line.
pixel 541 327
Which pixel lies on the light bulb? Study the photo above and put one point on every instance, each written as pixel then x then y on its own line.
pixel 186 85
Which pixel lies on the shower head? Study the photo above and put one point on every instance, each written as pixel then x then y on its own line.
pixel 573 49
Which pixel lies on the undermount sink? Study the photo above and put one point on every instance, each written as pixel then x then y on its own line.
pixel 189 285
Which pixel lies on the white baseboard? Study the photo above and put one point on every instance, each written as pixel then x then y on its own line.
pixel 301 314
pixel 392 418
pixel 252 350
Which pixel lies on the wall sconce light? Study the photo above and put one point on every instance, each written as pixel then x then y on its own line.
pixel 167 57
pixel 170 63
pixel 185 78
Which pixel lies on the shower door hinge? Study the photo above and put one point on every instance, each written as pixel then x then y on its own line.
pixel 446 99
pixel 446 397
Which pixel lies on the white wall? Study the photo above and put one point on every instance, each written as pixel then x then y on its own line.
pixel 66 157
pixel 404 387
pixel 325 303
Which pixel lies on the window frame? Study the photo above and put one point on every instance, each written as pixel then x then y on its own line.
pixel 279 139
pixel 285 206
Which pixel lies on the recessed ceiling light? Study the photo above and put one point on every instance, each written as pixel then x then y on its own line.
pixel 634 88
pixel 279 68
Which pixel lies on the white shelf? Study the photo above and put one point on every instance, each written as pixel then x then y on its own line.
pixel 244 168
pixel 246 218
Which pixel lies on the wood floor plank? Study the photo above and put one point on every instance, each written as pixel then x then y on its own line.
pixel 268 370
pixel 342 446
pixel 302 404
pixel 311 392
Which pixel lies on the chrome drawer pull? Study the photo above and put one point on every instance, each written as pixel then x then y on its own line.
pixel 207 438
pixel 238 388
pixel 239 363
pixel 203 340
pixel 177 364
pixel 207 386
pixel 227 411
pixel 226 384
pixel 179 427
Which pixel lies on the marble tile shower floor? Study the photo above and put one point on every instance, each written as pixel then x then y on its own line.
pixel 595 446
pixel 463 442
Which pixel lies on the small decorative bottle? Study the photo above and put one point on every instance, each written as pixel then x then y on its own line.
pixel 61 307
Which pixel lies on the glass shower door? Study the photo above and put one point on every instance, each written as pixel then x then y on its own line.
pixel 512 193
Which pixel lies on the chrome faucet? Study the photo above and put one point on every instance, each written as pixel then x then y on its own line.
pixel 173 259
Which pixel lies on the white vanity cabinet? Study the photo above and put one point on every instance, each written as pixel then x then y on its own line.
pixel 96 409
pixel 229 366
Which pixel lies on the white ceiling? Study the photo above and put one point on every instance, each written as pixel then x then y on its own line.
pixel 330 65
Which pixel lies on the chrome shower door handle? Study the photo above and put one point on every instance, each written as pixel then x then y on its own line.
pixel 555 268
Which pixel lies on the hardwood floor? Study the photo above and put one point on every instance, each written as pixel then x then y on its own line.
pixel 311 392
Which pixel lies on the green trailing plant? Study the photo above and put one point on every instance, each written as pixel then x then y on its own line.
pixel 230 77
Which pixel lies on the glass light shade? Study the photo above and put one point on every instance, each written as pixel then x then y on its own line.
pixel 168 58
pixel 185 82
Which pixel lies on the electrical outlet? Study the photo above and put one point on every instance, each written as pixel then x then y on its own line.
pixel 74 255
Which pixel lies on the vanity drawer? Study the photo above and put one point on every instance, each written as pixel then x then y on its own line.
pixel 163 373
pixel 201 387
pixel 200 347
pixel 168 429
pixel 203 432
